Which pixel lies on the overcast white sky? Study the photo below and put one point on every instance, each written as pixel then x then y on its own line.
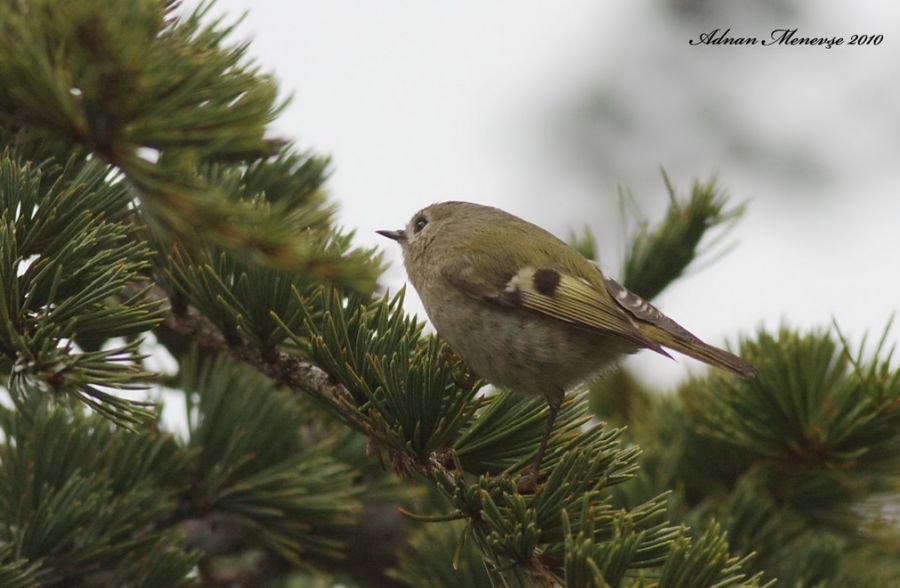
pixel 544 108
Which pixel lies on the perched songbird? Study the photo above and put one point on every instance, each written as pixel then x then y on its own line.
pixel 526 311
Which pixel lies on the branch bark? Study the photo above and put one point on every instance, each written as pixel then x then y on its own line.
pixel 188 324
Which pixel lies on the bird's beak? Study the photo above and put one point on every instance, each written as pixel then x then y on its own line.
pixel 399 235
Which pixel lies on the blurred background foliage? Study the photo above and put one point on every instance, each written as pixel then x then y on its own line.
pixel 328 439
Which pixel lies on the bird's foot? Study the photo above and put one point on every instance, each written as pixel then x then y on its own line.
pixel 531 483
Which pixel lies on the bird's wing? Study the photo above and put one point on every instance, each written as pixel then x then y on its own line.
pixel 555 294
pixel 645 312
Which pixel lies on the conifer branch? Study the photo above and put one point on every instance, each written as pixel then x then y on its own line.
pixel 140 190
pixel 508 527
pixel 282 367
pixel 657 256
pixel 162 100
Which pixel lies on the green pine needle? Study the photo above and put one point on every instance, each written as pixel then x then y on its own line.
pixel 254 465
pixel 658 256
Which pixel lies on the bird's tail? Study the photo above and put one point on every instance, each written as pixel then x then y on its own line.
pixel 694 347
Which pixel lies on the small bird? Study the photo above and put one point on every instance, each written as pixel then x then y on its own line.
pixel 527 312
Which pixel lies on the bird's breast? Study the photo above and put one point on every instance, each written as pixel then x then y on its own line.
pixel 522 350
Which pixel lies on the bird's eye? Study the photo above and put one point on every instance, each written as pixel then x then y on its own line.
pixel 420 224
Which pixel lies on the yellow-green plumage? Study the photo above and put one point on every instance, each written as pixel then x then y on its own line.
pixel 525 310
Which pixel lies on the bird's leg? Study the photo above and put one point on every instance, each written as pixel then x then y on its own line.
pixel 553 402
pixel 528 483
